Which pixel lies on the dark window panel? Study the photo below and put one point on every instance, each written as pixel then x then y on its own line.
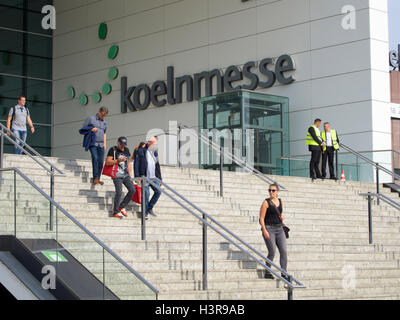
pixel 37 5
pixel 35 23
pixel 11 63
pixel 11 18
pixel 11 41
pixel 10 86
pixel 39 68
pixel 40 112
pixel 39 46
pixel 5 106
pixel 46 152
pixel 39 90
pixel 41 138
pixel 12 3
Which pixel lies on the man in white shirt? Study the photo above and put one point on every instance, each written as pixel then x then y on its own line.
pixel 330 137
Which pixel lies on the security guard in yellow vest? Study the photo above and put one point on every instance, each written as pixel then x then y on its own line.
pixel 315 145
pixel 330 137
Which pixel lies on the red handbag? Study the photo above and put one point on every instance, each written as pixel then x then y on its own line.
pixel 137 196
pixel 110 170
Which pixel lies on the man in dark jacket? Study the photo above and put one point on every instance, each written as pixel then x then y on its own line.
pixel 315 145
pixel 147 164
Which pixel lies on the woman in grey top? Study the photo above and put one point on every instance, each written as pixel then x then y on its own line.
pixel 271 221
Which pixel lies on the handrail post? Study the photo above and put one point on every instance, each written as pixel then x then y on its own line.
pixel 221 170
pixel 370 198
pixel 2 148
pixel 205 282
pixel 15 203
pixel 290 289
pixel 143 208
pixel 337 165
pixel 51 223
pixel 377 181
pixel 179 146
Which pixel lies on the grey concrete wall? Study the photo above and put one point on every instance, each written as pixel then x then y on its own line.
pixel 341 75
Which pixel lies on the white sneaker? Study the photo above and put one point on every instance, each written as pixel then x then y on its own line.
pixel 118 215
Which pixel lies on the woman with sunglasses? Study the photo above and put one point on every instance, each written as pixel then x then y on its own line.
pixel 272 228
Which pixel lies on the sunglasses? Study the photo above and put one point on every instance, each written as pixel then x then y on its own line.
pixel 272 190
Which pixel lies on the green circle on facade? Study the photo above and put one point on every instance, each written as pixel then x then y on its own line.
pixel 106 88
pixel 96 97
pixel 103 31
pixel 113 73
pixel 113 52
pixel 83 99
pixel 71 92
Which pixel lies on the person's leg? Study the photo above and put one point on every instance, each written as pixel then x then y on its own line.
pixel 155 197
pixel 271 245
pixel 17 134
pixel 324 159
pixel 95 166
pixel 316 163
pixel 131 191
pixel 118 193
pixel 100 161
pixel 22 136
pixel 312 174
pixel 331 154
pixel 282 247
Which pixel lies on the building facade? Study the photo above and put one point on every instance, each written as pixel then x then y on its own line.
pixel 26 67
pixel 125 54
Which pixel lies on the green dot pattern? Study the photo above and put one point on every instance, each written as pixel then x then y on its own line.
pixel 83 99
pixel 106 88
pixel 103 31
pixel 71 92
pixel 113 73
pixel 113 52
pixel 96 97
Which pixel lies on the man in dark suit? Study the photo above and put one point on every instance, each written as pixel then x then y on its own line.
pixel 315 145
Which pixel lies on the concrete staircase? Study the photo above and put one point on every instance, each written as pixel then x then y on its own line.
pixel 328 246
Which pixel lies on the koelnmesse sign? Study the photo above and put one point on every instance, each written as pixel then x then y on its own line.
pixel 139 97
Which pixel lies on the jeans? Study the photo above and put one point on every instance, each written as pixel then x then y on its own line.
pixel 118 182
pixel 157 194
pixel 21 134
pixel 97 161
pixel 277 238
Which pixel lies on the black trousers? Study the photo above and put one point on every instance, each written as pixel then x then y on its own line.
pixel 314 164
pixel 118 182
pixel 328 155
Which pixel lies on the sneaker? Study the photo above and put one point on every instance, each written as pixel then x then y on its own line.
pixel 152 213
pixel 118 215
pixel 97 181
pixel 284 276
pixel 123 211
pixel 268 275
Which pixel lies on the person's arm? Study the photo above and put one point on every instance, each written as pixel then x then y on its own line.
pixel 105 141
pixel 30 124
pixel 129 166
pixel 263 211
pixel 9 125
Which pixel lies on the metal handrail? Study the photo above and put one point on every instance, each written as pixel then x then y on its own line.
pixel 97 240
pixel 23 149
pixel 370 196
pixel 244 165
pixel 289 283
pixel 369 161
pixel 384 198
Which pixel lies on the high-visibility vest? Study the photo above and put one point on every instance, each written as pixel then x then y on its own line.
pixel 335 143
pixel 310 140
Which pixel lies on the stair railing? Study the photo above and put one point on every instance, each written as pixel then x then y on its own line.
pixel 209 222
pixel 104 247
pixel 370 197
